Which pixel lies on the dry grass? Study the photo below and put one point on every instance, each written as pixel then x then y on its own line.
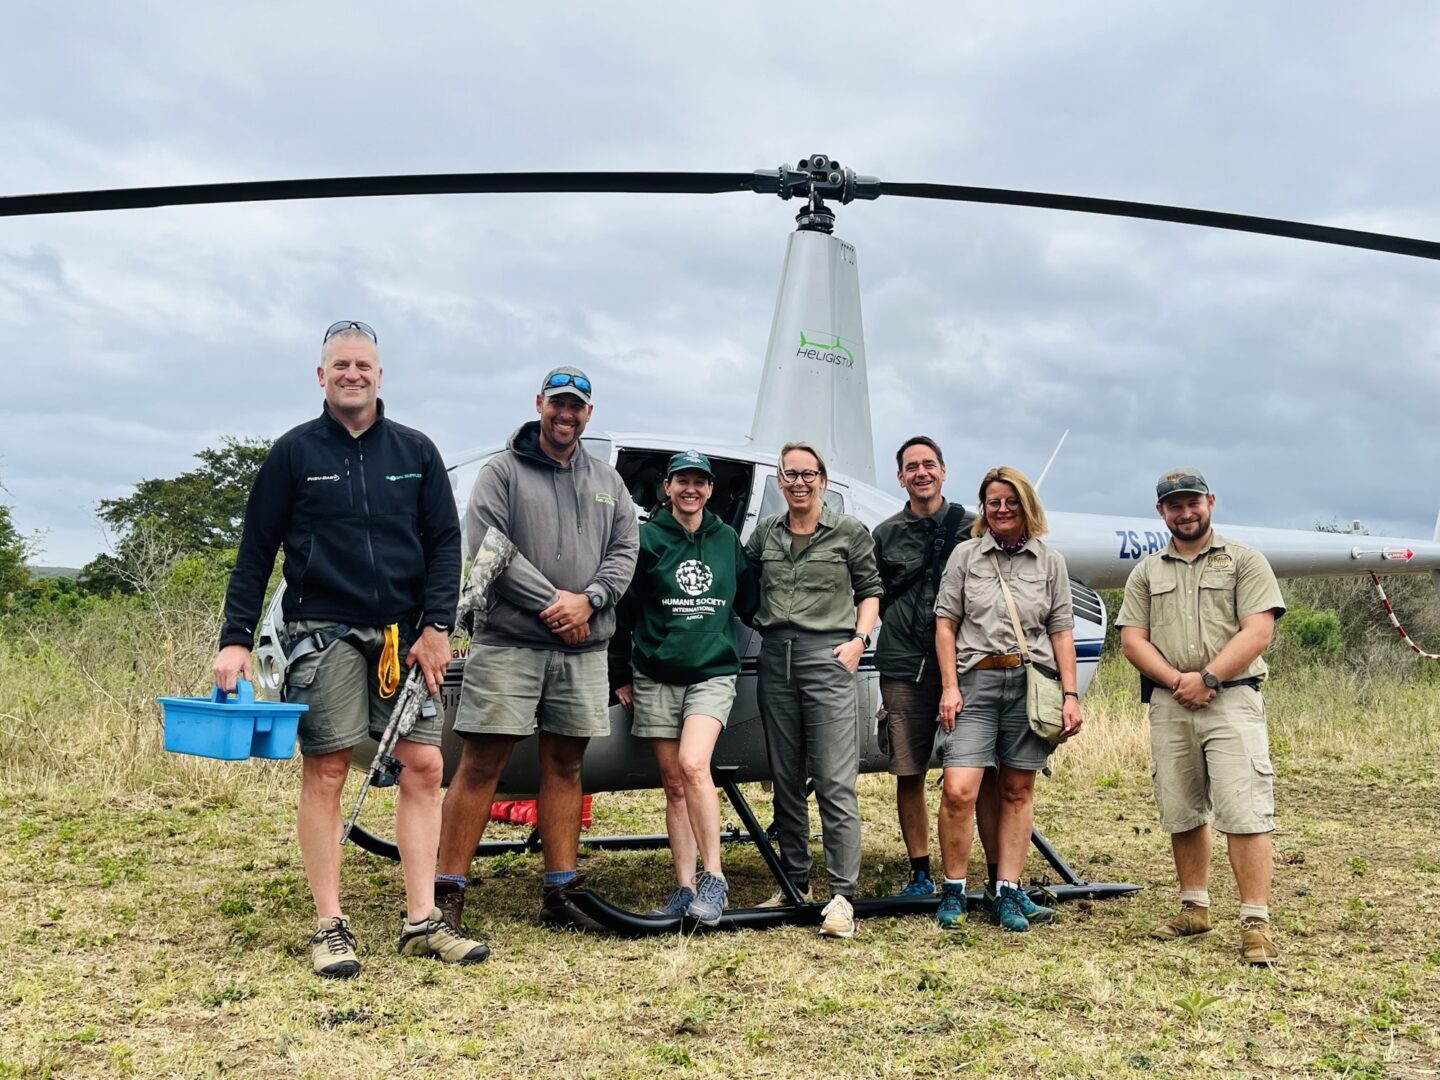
pixel 159 913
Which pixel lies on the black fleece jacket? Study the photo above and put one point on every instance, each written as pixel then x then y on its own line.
pixel 368 524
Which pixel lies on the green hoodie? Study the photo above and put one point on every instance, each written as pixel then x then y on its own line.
pixel 678 615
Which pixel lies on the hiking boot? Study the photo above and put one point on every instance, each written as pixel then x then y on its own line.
pixel 675 905
pixel 437 938
pixel 558 911
pixel 450 899
pixel 837 918
pixel 1257 942
pixel 779 899
pixel 920 884
pixel 1192 921
pixel 1008 913
pixel 951 912
pixel 332 950
pixel 711 894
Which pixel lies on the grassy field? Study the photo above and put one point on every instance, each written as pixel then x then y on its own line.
pixel 158 914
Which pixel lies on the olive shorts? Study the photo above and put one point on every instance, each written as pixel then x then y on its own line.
pixel 991 728
pixel 509 690
pixel 910 715
pixel 661 708
pixel 1216 758
pixel 341 684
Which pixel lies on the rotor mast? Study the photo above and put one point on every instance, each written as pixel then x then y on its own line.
pixel 814 386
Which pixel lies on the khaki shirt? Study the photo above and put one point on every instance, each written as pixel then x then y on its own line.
pixel 1192 609
pixel 971 597
pixel 820 588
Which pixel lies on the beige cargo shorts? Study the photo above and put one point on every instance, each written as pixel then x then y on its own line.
pixel 661 708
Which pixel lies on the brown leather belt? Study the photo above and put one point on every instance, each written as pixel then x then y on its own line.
pixel 998 660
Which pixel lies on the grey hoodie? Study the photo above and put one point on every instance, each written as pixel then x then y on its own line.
pixel 575 528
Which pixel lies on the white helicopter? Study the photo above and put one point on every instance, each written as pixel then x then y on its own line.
pixel 814 387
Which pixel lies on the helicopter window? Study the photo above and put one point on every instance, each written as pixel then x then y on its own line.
pixel 773 502
pixel 644 472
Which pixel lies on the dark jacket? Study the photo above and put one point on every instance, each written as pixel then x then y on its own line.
pixel 910 567
pixel 677 620
pixel 575 528
pixel 368 525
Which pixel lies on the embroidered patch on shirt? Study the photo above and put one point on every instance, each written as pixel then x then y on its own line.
pixel 605 497
pixel 1219 560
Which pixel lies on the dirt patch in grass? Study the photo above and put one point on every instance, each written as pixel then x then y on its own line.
pixel 157 938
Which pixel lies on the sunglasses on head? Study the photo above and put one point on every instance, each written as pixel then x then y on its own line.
pixel 350 324
pixel 564 378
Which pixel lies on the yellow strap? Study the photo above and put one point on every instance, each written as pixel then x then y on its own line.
pixel 389 669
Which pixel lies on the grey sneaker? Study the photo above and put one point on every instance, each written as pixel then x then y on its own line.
pixel 711 893
pixel 332 949
pixel 435 937
pixel 675 904
pixel 779 899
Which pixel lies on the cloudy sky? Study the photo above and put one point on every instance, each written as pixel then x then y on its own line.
pixel 1303 378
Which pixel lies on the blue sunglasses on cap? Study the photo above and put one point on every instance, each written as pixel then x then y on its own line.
pixel 564 378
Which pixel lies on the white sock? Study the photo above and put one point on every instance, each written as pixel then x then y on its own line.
pixel 1198 897
pixel 1000 886
pixel 954 883
pixel 1254 911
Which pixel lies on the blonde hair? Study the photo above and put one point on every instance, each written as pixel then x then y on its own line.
pixel 809 449
pixel 1034 514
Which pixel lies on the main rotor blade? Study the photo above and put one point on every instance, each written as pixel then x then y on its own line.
pixel 350 187
pixel 1213 219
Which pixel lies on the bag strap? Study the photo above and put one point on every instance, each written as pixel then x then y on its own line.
pixel 1010 603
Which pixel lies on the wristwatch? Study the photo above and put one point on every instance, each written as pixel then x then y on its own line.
pixel 1212 681
pixel 596 600
pixel 1070 693
pixel 864 639
pixel 441 627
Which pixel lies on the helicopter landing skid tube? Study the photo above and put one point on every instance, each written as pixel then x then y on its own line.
pixel 797 913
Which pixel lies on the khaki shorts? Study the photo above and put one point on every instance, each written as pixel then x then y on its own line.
pixel 910 720
pixel 513 691
pixel 1217 757
pixel 341 684
pixel 661 708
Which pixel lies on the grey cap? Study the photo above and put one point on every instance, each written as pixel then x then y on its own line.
pixel 1181 480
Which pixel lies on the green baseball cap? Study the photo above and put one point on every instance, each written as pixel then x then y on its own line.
pixel 1181 480
pixel 689 459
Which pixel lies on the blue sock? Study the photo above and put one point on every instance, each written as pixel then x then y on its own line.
pixel 454 879
pixel 559 877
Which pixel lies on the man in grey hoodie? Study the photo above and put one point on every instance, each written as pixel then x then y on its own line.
pixel 539 662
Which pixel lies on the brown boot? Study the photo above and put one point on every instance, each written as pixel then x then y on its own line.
pixel 1257 942
pixel 557 910
pixel 1192 921
pixel 450 899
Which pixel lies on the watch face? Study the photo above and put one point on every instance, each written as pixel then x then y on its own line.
pixel 1212 681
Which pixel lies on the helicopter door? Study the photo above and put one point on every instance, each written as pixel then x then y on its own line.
pixel 644 474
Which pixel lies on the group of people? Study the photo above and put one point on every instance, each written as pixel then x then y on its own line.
pixel 592 602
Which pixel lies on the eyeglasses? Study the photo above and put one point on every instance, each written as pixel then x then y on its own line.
pixel 350 324
pixel 791 476
pixel 564 378
pixel 994 504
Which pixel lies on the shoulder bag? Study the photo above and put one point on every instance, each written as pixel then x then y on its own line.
pixel 1044 698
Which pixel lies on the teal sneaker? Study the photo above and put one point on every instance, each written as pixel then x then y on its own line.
pixel 951 912
pixel 920 884
pixel 1007 910
pixel 1033 912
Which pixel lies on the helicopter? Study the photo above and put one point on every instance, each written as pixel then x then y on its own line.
pixel 813 386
